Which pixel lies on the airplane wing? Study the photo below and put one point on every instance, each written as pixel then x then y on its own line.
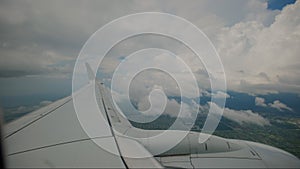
pixel 53 137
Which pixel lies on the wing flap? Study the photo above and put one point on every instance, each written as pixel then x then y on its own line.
pixel 135 154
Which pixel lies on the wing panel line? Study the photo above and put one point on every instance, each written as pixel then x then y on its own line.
pixel 68 142
pixel 109 122
pixel 44 115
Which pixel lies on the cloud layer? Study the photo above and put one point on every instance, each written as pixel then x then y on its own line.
pixel 259 47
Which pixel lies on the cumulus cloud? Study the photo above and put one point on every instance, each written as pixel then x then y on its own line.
pixel 168 71
pixel 260 102
pixel 259 50
pixel 221 94
pixel 173 108
pixel 257 57
pixel 243 116
pixel 276 104
pixel 190 110
pixel 154 104
pixel 280 106
pixel 216 95
pixel 157 104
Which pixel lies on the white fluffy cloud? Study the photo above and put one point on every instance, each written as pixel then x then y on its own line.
pixel 243 116
pixel 168 71
pixel 263 58
pixel 260 102
pixel 157 104
pixel 154 102
pixel 276 104
pixel 189 111
pixel 173 109
pixel 221 94
pixel 259 51
pixel 279 106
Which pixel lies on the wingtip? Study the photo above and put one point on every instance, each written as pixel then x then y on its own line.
pixel 90 72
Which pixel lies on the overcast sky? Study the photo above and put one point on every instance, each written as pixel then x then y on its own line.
pixel 40 40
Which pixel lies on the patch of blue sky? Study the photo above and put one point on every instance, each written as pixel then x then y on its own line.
pixel 279 4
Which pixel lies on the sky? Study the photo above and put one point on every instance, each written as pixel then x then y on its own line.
pixel 257 40
pixel 275 4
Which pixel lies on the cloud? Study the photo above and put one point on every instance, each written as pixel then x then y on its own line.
pixel 63 27
pixel 190 110
pixel 276 104
pixel 22 61
pixel 243 116
pixel 11 112
pixel 173 108
pixel 221 94
pixel 260 102
pixel 258 47
pixel 280 106
pixel 168 71
pixel 150 107
pixel 266 54
pixel 158 104
pixel 217 95
pixel 259 51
